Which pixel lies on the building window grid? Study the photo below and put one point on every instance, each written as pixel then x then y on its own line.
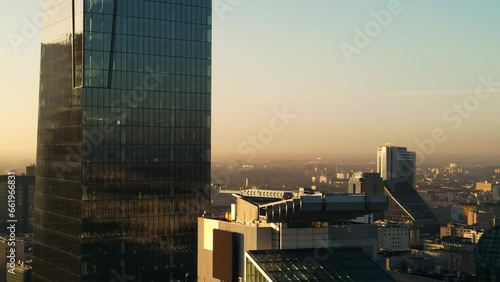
pixel 99 185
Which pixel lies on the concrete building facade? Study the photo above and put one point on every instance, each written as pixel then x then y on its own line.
pixel 393 237
pixel 274 220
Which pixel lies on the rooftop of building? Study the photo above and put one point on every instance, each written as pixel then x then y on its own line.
pixel 338 264
pixel 453 240
pixel 404 277
pixel 308 205
pixel 384 223
pixel 463 226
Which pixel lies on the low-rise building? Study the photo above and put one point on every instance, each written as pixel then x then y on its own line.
pixel 456 230
pixel 484 219
pixel 341 264
pixel 393 237
pixel 342 176
pixel 278 221
pixel 457 252
pixel 473 235
pixel 484 186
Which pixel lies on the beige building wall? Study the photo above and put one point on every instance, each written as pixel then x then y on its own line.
pixel 471 218
pixel 256 237
pixel 484 186
pixel 205 249
pixel 303 238
pixel 253 237
pixel 355 235
pixel 246 211
pixel 448 230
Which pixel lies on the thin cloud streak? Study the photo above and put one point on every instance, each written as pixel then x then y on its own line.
pixel 427 93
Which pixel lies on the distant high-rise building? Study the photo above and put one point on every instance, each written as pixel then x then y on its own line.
pixel 454 168
pixel 485 219
pixel 397 162
pixel 369 184
pixel 24 200
pixel 496 191
pixel 496 175
pixel 31 170
pixel 123 156
pixel 366 183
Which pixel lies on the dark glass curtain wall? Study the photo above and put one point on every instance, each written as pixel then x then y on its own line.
pixel 123 161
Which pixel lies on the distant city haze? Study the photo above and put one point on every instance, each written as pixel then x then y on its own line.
pixel 412 78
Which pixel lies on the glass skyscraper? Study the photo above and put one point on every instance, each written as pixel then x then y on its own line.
pixel 123 157
pixel 488 256
pixel 397 162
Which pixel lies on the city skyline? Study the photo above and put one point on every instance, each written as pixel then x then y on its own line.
pixel 407 63
pixel 190 140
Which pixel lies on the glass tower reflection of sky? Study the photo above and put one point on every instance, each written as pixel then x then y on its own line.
pixel 123 156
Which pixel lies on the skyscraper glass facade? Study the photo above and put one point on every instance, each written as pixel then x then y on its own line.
pixel 123 139
pixel 397 162
pixel 488 256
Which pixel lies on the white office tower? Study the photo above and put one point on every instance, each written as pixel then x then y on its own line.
pixel 396 163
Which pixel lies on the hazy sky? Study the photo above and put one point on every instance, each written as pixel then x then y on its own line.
pixel 271 55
